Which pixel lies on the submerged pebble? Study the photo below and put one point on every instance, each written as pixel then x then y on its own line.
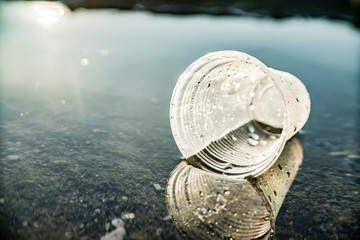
pixel 159 231
pixel 117 222
pixel 13 157
pixel 157 187
pixel 68 235
pixel 166 218
pixel 107 226
pixel 338 153
pixel 353 156
pixel 317 218
pixel 127 215
pixel 119 233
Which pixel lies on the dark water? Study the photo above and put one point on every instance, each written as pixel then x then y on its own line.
pixel 85 133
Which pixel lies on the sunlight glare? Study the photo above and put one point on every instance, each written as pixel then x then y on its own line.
pixel 49 13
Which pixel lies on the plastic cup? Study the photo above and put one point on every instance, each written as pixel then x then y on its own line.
pixel 231 114
pixel 205 205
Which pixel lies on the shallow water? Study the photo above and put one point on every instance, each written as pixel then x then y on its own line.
pixel 85 133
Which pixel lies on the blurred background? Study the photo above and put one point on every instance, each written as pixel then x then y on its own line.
pixel 338 9
pixel 85 88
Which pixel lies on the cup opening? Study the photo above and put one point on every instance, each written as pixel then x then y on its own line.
pixel 228 115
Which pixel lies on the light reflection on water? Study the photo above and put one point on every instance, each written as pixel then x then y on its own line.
pixel 49 13
pixel 84 118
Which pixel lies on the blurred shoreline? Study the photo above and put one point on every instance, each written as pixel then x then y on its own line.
pixel 348 10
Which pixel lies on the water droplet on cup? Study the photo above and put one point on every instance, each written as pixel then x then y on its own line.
pixel 253 142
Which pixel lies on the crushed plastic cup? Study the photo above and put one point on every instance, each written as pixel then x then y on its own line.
pixel 231 114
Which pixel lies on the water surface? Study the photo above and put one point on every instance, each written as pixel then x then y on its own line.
pixel 85 133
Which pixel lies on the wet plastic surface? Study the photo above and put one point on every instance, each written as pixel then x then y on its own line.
pixel 227 106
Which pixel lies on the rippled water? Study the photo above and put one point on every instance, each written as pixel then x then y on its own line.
pixel 85 135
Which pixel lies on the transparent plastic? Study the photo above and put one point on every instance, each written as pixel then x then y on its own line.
pixel 231 114
pixel 205 205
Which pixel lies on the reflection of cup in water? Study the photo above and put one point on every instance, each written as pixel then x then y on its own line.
pixel 231 114
pixel 205 205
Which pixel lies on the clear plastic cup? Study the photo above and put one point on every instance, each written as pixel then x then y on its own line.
pixel 231 114
pixel 205 205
